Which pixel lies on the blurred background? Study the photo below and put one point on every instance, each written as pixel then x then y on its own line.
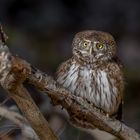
pixel 41 31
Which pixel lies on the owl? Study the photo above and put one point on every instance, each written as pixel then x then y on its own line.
pixel 94 72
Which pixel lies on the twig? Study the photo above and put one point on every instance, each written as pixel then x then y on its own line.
pixel 3 36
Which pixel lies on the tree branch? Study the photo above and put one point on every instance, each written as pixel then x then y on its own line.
pixel 12 75
pixel 79 109
pixel 13 71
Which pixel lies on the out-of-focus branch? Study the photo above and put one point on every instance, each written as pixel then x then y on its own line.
pixel 20 121
pixel 13 71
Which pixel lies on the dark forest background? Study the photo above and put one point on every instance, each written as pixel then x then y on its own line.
pixel 41 31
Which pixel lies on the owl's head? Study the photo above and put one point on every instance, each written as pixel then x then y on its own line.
pixel 91 46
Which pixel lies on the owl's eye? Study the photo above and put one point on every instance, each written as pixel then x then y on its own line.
pixel 99 46
pixel 85 45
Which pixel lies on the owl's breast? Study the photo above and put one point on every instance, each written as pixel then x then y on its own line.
pixel 94 85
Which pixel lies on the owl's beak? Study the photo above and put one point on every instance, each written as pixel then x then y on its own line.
pixel 91 50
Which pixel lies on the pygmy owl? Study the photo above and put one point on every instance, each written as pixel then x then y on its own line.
pixel 94 71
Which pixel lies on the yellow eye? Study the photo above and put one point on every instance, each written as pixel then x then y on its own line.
pixel 99 46
pixel 85 44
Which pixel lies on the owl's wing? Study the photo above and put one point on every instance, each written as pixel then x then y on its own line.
pixel 63 69
pixel 119 113
pixel 118 75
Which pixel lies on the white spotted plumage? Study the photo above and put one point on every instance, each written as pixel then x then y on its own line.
pixel 81 80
